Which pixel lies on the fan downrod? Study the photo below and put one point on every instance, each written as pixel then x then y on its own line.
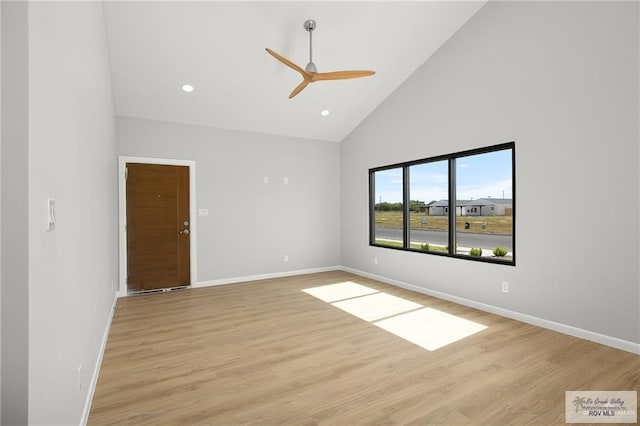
pixel 310 25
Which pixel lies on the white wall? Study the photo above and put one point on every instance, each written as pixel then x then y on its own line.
pixel 0 215
pixel 638 189
pixel 561 79
pixel 72 158
pixel 15 291
pixel 251 225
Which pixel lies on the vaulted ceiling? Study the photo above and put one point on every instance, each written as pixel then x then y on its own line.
pixel 219 48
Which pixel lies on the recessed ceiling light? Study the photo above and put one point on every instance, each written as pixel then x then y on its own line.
pixel 324 113
pixel 187 88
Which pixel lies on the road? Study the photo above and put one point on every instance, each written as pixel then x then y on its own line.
pixel 484 241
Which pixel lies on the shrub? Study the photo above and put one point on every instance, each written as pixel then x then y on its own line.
pixel 499 251
pixel 424 246
pixel 476 251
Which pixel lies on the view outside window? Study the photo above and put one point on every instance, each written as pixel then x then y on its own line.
pixel 428 210
pixel 387 209
pixel 484 205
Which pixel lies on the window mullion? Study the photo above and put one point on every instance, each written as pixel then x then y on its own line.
pixel 452 206
pixel 406 205
pixel 372 208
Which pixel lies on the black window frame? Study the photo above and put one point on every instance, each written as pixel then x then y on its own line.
pixel 451 212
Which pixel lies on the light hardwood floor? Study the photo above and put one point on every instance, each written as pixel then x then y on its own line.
pixel 265 352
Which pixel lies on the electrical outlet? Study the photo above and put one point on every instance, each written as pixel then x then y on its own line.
pixel 286 257
pixel 505 287
pixel 286 180
pixel 113 287
pixel 266 179
pixel 375 260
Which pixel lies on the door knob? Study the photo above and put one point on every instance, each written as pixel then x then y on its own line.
pixel 185 232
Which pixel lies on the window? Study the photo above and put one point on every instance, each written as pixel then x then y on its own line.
pixel 428 186
pixel 411 207
pixel 388 207
pixel 486 179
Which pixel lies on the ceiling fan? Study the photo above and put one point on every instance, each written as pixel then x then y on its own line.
pixel 310 72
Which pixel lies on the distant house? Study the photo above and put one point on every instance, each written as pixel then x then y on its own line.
pixel 479 207
pixel 439 208
pixel 503 206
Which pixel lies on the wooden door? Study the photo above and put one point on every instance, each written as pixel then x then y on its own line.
pixel 157 226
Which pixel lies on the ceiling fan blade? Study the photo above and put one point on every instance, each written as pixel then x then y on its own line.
pixel 299 88
pixel 285 61
pixel 341 75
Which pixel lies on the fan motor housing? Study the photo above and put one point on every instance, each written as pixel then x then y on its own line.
pixel 309 25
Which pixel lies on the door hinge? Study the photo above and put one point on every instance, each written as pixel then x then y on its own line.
pixel 126 173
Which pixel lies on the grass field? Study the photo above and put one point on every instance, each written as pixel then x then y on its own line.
pixel 442 249
pixel 494 224
pixel 417 246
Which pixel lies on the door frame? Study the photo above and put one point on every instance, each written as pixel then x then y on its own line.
pixel 122 213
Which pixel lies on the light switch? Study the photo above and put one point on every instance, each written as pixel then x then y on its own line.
pixel 203 212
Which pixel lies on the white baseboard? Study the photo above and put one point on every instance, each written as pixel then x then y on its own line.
pixel 614 342
pixel 234 280
pixel 96 370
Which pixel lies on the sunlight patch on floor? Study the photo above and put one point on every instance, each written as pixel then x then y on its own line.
pixel 341 291
pixel 428 328
pixel 376 306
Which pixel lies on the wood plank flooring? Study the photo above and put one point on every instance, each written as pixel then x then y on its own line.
pixel 265 352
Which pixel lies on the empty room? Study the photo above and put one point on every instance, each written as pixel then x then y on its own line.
pixel 337 213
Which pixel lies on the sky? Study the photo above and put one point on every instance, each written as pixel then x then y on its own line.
pixel 478 176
